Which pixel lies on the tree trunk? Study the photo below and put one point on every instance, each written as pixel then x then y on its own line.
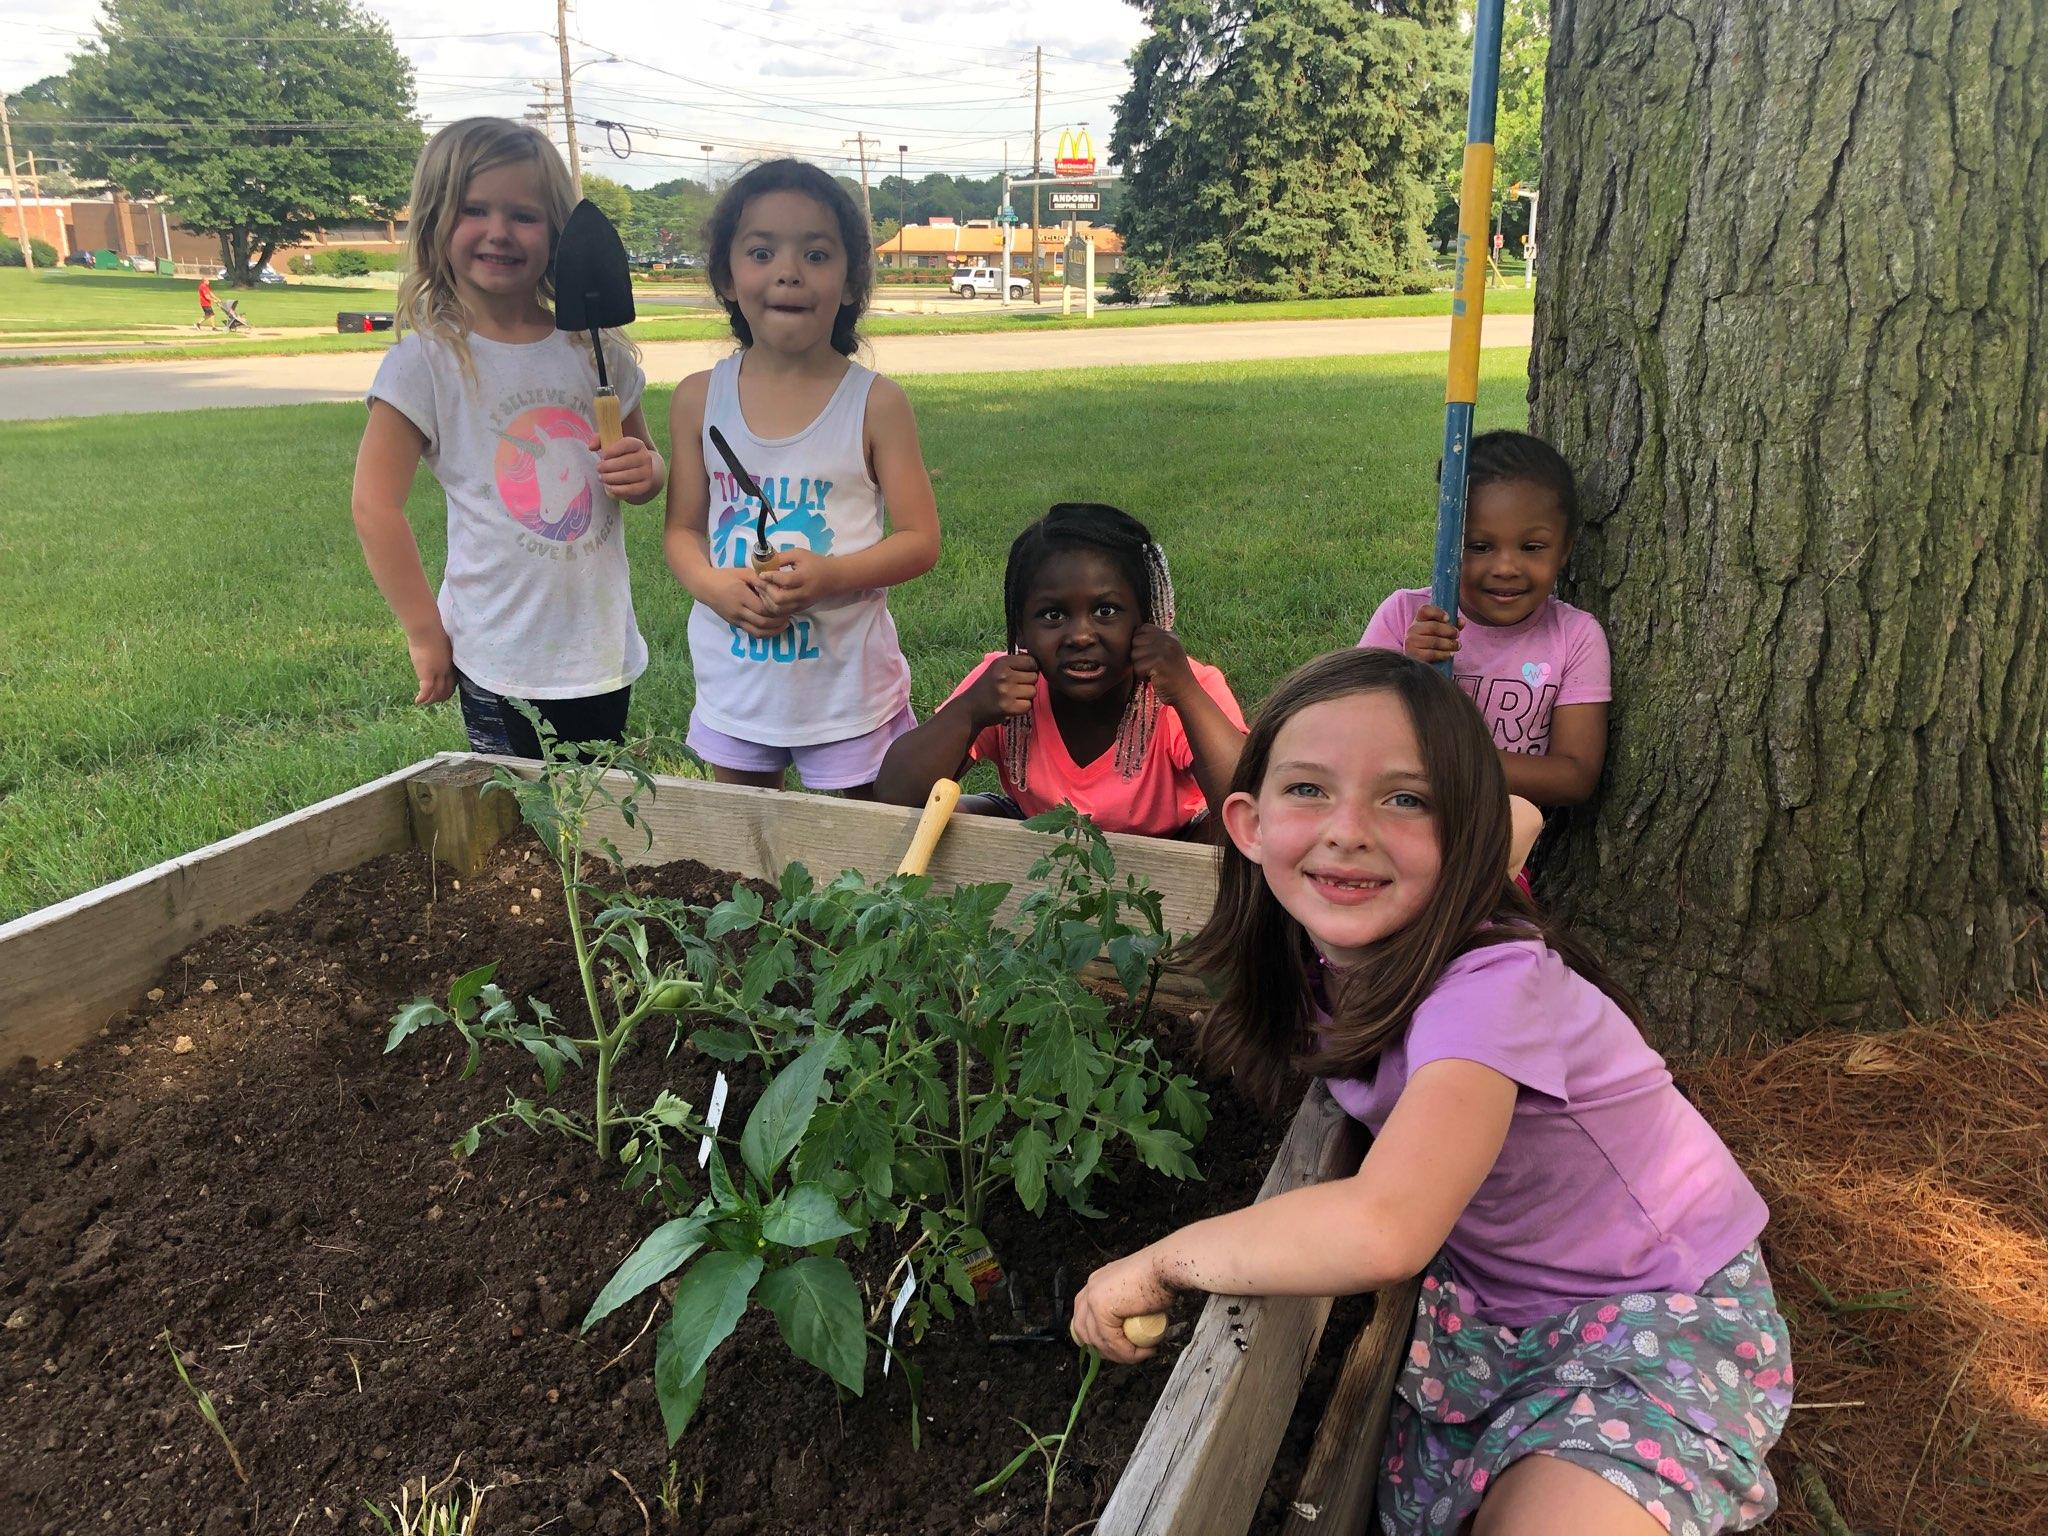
pixel 1791 332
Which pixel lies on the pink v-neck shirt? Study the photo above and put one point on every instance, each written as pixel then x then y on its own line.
pixel 1516 673
pixel 1609 1180
pixel 1161 799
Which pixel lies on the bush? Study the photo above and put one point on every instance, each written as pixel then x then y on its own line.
pixel 300 265
pixel 344 263
pixel 10 253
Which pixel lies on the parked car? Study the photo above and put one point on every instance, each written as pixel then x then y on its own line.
pixel 269 274
pixel 973 282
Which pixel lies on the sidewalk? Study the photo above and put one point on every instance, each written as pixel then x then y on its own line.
pixel 40 393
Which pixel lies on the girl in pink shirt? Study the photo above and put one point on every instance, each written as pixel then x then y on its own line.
pixel 1095 703
pixel 1535 665
pixel 1596 1347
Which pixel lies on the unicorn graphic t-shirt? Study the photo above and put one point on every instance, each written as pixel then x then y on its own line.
pixel 1516 673
pixel 535 595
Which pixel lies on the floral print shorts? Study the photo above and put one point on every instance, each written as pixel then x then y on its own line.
pixel 1673 1397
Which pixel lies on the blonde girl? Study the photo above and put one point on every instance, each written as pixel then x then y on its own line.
pixel 534 604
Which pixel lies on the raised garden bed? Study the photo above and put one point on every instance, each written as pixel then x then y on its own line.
pixel 227 1152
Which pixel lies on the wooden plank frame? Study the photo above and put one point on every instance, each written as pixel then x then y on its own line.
pixel 1204 1457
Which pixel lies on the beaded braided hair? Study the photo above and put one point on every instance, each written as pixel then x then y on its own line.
pixel 1128 544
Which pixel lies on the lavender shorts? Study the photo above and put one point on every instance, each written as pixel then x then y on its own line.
pixel 847 764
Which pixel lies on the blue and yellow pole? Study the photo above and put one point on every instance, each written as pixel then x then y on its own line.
pixel 1468 305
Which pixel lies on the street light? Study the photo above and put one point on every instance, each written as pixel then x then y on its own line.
pixel 901 151
pixel 707 148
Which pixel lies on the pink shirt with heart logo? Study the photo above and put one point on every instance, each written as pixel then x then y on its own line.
pixel 1517 673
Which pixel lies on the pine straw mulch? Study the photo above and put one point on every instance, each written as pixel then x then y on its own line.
pixel 1907 1176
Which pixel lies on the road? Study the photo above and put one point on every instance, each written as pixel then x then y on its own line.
pixel 103 389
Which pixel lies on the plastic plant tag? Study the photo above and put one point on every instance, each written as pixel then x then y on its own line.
pixel 896 1310
pixel 711 1118
pixel 983 1272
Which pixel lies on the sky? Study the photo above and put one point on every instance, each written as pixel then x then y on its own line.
pixel 951 79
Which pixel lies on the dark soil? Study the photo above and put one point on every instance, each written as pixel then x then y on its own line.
pixel 239 1163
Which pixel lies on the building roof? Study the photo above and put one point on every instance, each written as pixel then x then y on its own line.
pixel 980 239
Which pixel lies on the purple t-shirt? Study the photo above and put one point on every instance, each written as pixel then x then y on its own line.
pixel 1516 673
pixel 1609 1180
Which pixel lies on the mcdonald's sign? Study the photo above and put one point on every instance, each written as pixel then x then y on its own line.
pixel 1076 154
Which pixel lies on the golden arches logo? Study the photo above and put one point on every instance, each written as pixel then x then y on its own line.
pixel 1076 153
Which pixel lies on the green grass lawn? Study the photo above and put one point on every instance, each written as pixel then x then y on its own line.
pixel 79 299
pixel 657 325
pixel 193 645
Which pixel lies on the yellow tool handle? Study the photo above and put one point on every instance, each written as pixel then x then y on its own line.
pixel 944 796
pixel 1146 1329
pixel 765 561
pixel 608 429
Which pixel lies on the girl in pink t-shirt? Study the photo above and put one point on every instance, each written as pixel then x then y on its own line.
pixel 1596 1347
pixel 1095 703
pixel 1536 666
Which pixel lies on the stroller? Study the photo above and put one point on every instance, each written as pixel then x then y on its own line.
pixel 232 316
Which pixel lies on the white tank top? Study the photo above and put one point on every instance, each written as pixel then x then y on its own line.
pixel 837 672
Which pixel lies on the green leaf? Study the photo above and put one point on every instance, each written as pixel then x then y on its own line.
pixel 723 1044
pixel 817 1306
pixel 783 1112
pixel 1028 1155
pixel 803 1215
pixel 677 1394
pixel 661 1253
pixel 1087 1153
pixel 708 1306
pixel 1166 1151
pixel 415 1015
pixel 465 988
pixel 988 1114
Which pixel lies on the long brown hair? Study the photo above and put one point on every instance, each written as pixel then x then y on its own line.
pixel 1260 1030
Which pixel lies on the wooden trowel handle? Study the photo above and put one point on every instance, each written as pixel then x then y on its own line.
pixel 608 429
pixel 944 796
pixel 765 560
pixel 1146 1329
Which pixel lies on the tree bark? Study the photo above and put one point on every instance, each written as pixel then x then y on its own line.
pixel 1791 332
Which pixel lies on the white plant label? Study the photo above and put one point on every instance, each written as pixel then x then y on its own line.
pixel 896 1311
pixel 711 1119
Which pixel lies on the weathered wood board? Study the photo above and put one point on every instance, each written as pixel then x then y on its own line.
pixel 68 968
pixel 1206 1453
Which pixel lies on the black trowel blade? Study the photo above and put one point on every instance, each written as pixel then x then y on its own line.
pixel 593 284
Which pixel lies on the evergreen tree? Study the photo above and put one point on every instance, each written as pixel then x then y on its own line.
pixel 1285 148
pixel 260 120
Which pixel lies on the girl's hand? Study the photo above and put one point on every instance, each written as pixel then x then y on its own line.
pixel 628 469
pixel 801 579
pixel 1005 689
pixel 1432 637
pixel 1128 1287
pixel 433 663
pixel 736 597
pixel 1158 655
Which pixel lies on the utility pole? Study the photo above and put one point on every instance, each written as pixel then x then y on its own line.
pixel 707 148
pixel 902 189
pixel 547 108
pixel 568 100
pixel 867 211
pixel 1037 162
pixel 28 250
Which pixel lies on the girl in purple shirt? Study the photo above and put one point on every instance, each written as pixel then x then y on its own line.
pixel 1596 1346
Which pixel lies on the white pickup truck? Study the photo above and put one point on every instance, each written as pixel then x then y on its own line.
pixel 973 282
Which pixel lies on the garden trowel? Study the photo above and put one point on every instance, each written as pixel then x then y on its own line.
pixel 764 554
pixel 594 292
